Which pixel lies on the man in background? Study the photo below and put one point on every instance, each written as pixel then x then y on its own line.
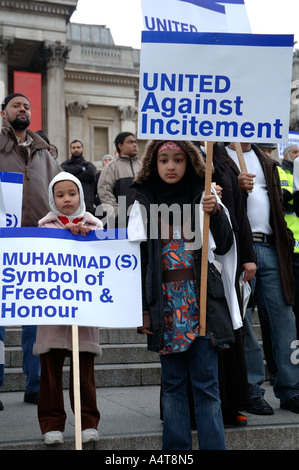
pixel 24 151
pixel 85 172
pixel 116 178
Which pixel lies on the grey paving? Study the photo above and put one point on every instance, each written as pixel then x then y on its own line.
pixel 130 421
pixel 128 392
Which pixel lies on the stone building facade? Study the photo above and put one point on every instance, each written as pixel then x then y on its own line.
pixel 89 85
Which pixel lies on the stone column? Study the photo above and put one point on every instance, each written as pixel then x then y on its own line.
pixel 75 120
pixel 56 55
pixel 128 117
pixel 5 46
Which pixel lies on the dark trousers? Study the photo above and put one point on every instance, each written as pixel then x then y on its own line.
pixel 51 413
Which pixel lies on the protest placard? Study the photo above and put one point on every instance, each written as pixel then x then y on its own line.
pixel 214 87
pixel 293 139
pixel 12 193
pixel 2 208
pixel 2 91
pixel 195 16
pixel 51 277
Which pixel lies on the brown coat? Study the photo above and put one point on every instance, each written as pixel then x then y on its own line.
pixel 60 337
pixel 38 168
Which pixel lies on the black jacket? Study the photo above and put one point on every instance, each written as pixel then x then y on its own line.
pixel 86 173
pixel 218 317
pixel 233 200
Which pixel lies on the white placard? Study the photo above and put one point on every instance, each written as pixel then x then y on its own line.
pixel 2 91
pixel 2 208
pixel 49 276
pixel 12 192
pixel 236 16
pixel 214 87
pixel 195 16
pixel 292 140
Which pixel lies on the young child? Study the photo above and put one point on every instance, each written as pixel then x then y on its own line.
pixel 172 176
pixel 54 343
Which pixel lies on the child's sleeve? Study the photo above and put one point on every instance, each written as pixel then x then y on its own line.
pixel 98 225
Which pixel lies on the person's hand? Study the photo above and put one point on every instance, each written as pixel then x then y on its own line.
pixel 249 271
pixel 210 204
pixel 218 189
pixel 146 327
pixel 83 230
pixel 246 181
pixel 72 227
pixel 76 228
pixel 145 331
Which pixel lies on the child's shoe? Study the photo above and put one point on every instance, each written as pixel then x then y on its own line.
pixel 90 435
pixel 53 437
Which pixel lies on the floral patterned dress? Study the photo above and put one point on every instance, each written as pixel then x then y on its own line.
pixel 181 306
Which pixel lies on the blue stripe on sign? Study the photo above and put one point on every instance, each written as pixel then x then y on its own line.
pixel 229 2
pixel 7 177
pixel 219 39
pixel 208 4
pixel 34 232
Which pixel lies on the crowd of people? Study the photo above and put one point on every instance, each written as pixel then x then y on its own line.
pixel 210 380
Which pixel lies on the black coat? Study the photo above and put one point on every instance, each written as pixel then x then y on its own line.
pixel 86 173
pixel 233 200
pixel 219 324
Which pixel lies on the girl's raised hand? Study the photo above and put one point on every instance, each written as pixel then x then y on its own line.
pixel 210 204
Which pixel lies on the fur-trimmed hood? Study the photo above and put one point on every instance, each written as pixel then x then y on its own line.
pixel 150 156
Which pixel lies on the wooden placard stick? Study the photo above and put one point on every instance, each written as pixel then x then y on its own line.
pixel 241 159
pixel 76 385
pixel 205 244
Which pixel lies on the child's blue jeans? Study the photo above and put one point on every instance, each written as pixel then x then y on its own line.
pixel 201 359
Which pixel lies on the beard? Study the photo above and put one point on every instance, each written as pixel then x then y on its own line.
pixel 20 124
pixel 77 155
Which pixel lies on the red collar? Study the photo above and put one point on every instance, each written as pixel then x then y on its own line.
pixel 65 220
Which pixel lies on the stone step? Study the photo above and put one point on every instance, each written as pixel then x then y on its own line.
pixel 106 375
pixel 125 360
pixel 130 421
pixel 13 336
pixel 279 437
pixel 111 354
